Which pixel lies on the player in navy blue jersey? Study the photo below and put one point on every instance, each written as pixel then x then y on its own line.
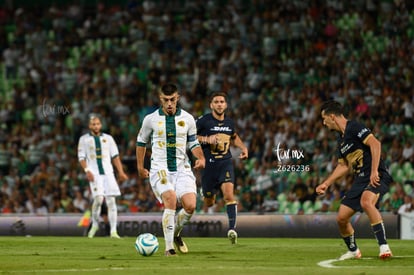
pixel 359 152
pixel 216 132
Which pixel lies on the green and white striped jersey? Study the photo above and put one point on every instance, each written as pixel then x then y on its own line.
pixel 170 137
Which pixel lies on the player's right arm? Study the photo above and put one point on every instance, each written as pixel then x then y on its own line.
pixel 340 170
pixel 142 139
pixel 202 136
pixel 140 153
pixel 82 155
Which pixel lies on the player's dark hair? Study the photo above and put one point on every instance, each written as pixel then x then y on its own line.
pixel 169 89
pixel 332 107
pixel 213 95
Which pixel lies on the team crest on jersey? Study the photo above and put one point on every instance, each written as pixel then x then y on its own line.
pixel 104 140
pixel 181 123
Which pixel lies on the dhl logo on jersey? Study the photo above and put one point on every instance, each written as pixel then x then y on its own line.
pixel 221 129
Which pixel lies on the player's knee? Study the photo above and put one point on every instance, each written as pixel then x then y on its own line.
pixel 190 208
pixel 341 221
pixel 366 204
pixel 99 200
pixel 111 203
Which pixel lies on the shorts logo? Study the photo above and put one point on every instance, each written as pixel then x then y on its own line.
pixel 227 178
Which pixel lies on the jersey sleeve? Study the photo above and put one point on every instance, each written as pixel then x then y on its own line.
pixel 192 140
pixel 199 125
pixel 82 149
pixel 113 147
pixel 144 133
pixel 362 132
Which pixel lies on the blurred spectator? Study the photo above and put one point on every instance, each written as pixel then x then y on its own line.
pixel 408 206
pixel 336 200
pixel 408 151
pixel 262 181
pixel 4 159
pixel 270 202
pixel 79 202
pixel 397 198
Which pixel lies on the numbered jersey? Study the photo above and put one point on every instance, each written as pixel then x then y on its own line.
pixel 354 152
pixel 207 125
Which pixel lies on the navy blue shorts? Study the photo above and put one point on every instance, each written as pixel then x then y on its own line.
pixel 215 174
pixel 352 198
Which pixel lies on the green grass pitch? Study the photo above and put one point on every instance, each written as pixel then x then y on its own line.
pixel 102 255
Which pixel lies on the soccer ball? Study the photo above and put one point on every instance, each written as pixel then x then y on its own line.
pixel 146 244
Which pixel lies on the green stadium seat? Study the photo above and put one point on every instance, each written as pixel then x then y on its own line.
pixel 407 166
pixel 281 197
pixel 386 197
pixel 283 207
pixel 393 168
pixel 408 188
pixel 294 207
pixel 409 130
pixel 400 176
pixel 410 33
pixel 51 35
pixel 317 205
pixel 308 207
pixel 107 43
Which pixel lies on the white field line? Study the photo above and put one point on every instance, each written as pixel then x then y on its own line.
pixel 330 263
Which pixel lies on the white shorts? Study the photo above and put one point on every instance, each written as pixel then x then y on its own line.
pixel 182 182
pixel 104 185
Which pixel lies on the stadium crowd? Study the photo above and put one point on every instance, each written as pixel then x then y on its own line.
pixel 276 59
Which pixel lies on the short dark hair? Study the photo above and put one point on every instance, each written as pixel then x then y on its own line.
pixel 213 95
pixel 332 107
pixel 169 89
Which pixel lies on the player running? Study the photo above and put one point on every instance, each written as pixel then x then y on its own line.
pixel 216 132
pixel 171 131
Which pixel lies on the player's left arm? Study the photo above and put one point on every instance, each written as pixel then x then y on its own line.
pixel 200 161
pixel 375 147
pixel 240 144
pixel 116 160
pixel 194 145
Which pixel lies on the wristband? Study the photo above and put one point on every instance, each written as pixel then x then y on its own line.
pixel 87 170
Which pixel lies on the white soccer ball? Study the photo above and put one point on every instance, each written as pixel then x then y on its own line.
pixel 146 244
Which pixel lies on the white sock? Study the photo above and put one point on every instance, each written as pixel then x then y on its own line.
pixel 96 210
pixel 168 226
pixel 112 213
pixel 182 219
